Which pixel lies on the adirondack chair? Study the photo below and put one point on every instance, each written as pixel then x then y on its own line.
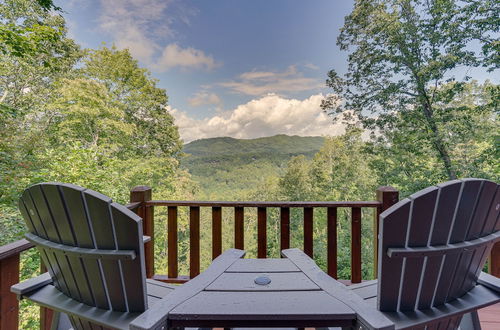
pixel 432 248
pixel 94 253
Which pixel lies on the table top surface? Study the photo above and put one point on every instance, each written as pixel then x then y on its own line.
pixel 288 292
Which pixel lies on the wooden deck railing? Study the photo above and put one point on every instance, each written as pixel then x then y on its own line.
pixel 142 203
pixel 386 196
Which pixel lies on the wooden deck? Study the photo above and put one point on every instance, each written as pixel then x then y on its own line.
pixel 490 317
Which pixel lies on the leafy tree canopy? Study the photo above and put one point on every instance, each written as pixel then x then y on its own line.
pixel 402 52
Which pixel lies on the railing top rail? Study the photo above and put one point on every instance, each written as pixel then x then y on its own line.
pixel 133 206
pixel 14 248
pixel 262 204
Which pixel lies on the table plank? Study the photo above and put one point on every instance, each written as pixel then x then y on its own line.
pixel 279 306
pixel 292 281
pixel 367 316
pixel 262 265
pixel 156 316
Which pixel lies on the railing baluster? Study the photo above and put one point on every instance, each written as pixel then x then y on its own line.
pixel 331 223
pixel 194 241
pixel 216 231
pixel 308 231
pixel 285 228
pixel 172 242
pixel 239 237
pixel 9 306
pixel 356 245
pixel 261 232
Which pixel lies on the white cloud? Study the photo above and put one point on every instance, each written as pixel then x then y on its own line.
pixel 143 26
pixel 311 66
pixel 175 56
pixel 257 83
pixel 265 116
pixel 204 98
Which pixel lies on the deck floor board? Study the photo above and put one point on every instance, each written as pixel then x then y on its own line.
pixel 490 317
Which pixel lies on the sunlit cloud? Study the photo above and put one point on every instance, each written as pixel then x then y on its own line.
pixel 145 28
pixel 175 56
pixel 265 116
pixel 257 83
pixel 204 98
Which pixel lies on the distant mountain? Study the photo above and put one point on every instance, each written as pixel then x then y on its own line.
pixel 226 166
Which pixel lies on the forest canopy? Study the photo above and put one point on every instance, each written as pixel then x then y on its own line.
pixel 96 118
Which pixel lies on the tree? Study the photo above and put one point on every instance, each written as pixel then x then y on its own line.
pixel 144 104
pixel 402 52
pixel 34 53
pixel 404 158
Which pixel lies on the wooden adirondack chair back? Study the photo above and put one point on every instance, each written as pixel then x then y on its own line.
pixel 434 244
pixel 91 247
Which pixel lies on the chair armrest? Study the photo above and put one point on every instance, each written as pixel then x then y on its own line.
pixel 489 281
pixel 31 285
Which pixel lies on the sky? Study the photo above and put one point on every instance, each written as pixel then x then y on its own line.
pixel 239 68
pixel 245 69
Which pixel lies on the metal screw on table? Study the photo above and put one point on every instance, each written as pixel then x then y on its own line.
pixel 262 280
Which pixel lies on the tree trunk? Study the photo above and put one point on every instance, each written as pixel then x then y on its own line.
pixel 438 142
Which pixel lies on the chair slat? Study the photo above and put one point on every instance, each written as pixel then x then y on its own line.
pixel 394 221
pixel 465 208
pixel 128 228
pixel 29 222
pixel 98 207
pixel 421 217
pixel 429 281
pixel 444 282
pixel 44 213
pixel 58 214
pixel 482 208
pixel 92 288
pixel 462 270
pixel 491 222
pixel 445 212
pixel 33 214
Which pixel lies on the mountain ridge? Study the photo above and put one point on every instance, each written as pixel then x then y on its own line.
pixel 226 166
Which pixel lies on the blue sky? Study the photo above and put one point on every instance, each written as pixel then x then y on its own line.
pixel 241 68
pixel 215 57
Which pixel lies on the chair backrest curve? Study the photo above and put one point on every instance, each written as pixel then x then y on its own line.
pixel 91 247
pixel 434 244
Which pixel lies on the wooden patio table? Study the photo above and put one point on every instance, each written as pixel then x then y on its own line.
pixel 288 292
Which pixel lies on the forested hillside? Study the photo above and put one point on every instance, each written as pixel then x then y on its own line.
pixel 97 118
pixel 228 168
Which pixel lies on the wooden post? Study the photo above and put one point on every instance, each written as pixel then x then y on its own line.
pixel 9 306
pixel 494 262
pixel 388 196
pixel 143 194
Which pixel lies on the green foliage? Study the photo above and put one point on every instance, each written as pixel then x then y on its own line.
pixel 402 54
pixel 97 119
pixel 228 168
